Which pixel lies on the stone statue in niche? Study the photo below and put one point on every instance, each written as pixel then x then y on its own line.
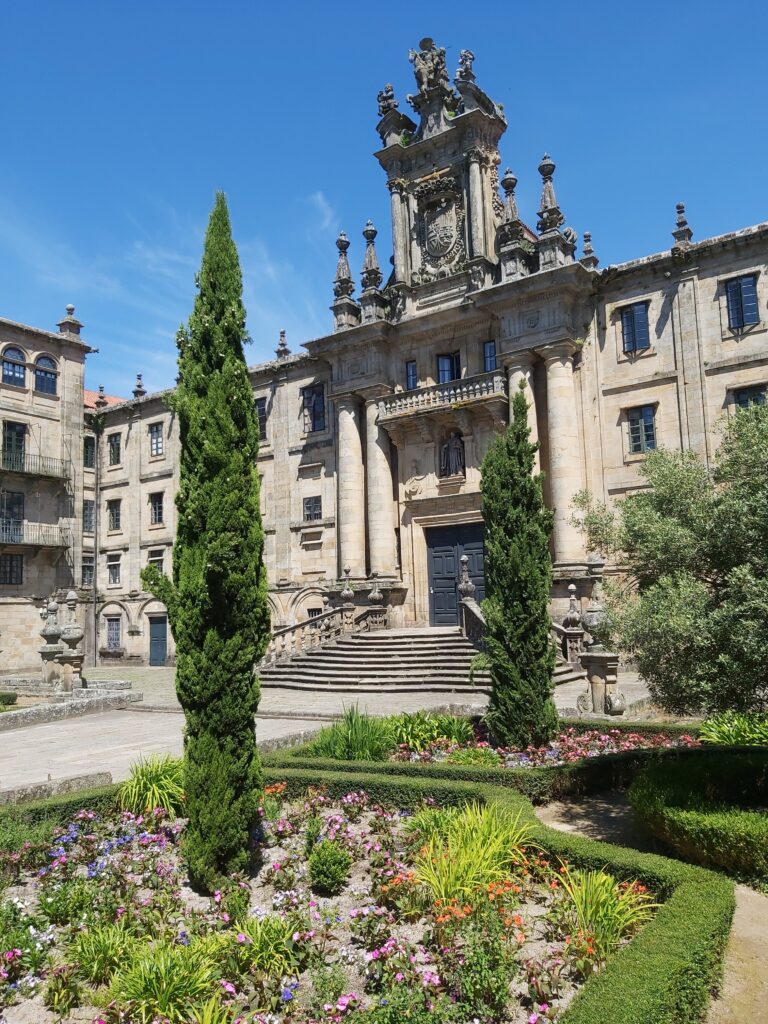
pixel 452 456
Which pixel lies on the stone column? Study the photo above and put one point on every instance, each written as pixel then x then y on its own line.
pixel 379 495
pixel 521 369
pixel 477 234
pixel 398 228
pixel 351 484
pixel 565 471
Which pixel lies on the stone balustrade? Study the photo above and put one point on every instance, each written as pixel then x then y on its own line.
pixel 323 629
pixel 465 391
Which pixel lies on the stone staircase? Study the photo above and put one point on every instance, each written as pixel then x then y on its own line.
pixel 389 660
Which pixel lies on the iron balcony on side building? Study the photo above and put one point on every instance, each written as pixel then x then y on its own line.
pixel 31 464
pixel 21 532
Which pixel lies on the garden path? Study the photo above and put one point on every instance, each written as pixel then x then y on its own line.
pixel 744 995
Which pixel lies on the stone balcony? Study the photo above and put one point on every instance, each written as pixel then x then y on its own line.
pixel 483 389
pixel 31 464
pixel 23 533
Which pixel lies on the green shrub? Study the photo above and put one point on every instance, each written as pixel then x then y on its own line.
pixel 328 867
pixel 474 755
pixel 7 698
pixel 704 809
pixel 268 949
pixel 165 981
pixel 429 822
pixel 357 737
pixel 417 730
pixel 736 729
pixel 100 951
pixel 312 833
pixel 156 781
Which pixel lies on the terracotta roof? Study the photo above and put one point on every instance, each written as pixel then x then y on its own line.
pixel 89 399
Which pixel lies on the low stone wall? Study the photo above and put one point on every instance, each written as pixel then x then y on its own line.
pixel 57 787
pixel 41 713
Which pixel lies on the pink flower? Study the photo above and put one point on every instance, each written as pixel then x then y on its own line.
pixel 217 897
pixel 228 987
pixel 533 1019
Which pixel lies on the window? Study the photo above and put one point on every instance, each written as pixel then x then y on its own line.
pixel 89 514
pixel 113 632
pixel 261 413
pixel 741 295
pixel 156 557
pixel 113 568
pixel 45 375
pixel 12 513
pixel 86 571
pixel 11 570
pixel 411 376
pixel 14 370
pixel 751 396
pixel 113 514
pixel 14 437
pixel 155 439
pixel 89 452
pixel 156 508
pixel 313 509
pixel 448 367
pixel 314 407
pixel 642 429
pixel 113 445
pixel 489 356
pixel 313 613
pixel 636 336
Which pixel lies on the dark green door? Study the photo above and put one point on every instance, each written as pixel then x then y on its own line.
pixel 158 639
pixel 446 545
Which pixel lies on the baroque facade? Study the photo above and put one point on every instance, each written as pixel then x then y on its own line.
pixel 373 436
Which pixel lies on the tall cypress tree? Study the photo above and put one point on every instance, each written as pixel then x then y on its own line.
pixel 518 579
pixel 217 602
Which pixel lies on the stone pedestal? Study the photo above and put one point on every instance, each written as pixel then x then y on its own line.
pixel 603 697
pixel 52 647
pixel 351 484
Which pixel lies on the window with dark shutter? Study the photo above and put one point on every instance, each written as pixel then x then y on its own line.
pixel 261 413
pixel 741 296
pixel 751 396
pixel 636 335
pixel 489 356
pixel 411 377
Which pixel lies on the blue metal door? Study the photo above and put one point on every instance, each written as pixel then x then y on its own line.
pixel 446 545
pixel 158 639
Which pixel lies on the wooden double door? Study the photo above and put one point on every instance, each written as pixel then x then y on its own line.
pixel 445 546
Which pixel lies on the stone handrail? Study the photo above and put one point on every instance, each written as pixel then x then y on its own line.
pixel 569 642
pixel 472 622
pixel 467 389
pixel 325 628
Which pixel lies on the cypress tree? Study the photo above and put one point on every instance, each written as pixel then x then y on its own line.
pixel 518 579
pixel 217 601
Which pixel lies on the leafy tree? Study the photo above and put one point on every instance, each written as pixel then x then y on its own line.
pixel 217 600
pixel 692 609
pixel 518 579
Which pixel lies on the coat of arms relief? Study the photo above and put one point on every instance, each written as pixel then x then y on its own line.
pixel 440 229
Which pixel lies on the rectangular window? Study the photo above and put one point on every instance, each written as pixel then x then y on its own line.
pixel 113 445
pixel 113 568
pixel 751 396
pixel 113 514
pixel 113 632
pixel 156 557
pixel 89 452
pixel 448 367
pixel 741 295
pixel 261 413
pixel 155 439
pixel 14 438
pixel 313 509
pixel 156 508
pixel 489 356
pixel 411 375
pixel 11 570
pixel 314 407
pixel 89 515
pixel 642 429
pixel 636 335
pixel 86 571
pixel 12 510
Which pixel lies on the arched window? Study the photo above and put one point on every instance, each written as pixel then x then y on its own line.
pixel 45 375
pixel 14 370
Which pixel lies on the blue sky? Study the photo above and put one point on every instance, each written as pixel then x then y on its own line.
pixel 120 120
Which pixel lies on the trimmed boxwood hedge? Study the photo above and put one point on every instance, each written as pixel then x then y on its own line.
pixel 710 810
pixel 664 975
pixel 8 698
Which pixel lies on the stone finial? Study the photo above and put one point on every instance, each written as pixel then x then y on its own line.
pixel 550 217
pixel 386 100
pixel 347 594
pixel 465 72
pixel 572 618
pixel 101 401
pixel 375 595
pixel 70 324
pixel 682 233
pixel 343 285
pixel 509 184
pixel 589 260
pixel 466 587
pixel 282 351
pixel 371 276
pixel 138 389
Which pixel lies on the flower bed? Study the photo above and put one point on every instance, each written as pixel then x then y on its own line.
pixel 360 912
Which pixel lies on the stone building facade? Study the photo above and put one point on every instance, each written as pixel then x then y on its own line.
pixel 373 436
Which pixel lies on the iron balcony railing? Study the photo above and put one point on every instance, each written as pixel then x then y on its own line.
pixel 33 465
pixel 456 392
pixel 38 535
